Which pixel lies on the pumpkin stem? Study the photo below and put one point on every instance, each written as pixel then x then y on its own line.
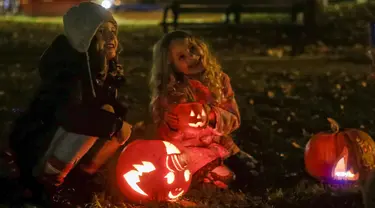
pixel 335 127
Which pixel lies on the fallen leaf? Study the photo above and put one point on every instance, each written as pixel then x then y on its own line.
pixel 294 144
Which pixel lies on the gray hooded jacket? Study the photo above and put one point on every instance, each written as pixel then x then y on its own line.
pixel 68 97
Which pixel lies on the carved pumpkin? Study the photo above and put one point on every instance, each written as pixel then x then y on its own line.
pixel 192 115
pixel 152 170
pixel 344 156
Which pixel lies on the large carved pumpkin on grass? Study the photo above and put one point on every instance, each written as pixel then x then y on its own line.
pixel 152 170
pixel 343 156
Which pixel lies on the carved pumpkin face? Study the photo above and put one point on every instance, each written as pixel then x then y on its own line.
pixel 192 115
pixel 343 157
pixel 149 170
pixel 342 170
pixel 197 117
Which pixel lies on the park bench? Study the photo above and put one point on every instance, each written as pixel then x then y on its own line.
pixel 235 8
pixel 178 7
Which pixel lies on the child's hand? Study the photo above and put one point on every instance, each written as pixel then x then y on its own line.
pixel 172 120
pixel 108 108
pixel 124 134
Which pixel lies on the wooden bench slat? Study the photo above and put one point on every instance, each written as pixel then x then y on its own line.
pixel 248 8
pixel 204 2
pixel 242 25
pixel 204 6
pixel 260 9
pixel 227 2
pixel 203 9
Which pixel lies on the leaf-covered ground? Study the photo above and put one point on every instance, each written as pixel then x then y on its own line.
pixel 282 102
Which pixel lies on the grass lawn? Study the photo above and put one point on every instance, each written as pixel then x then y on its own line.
pixel 342 30
pixel 282 104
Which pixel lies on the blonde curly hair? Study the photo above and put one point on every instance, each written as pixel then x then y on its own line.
pixel 163 76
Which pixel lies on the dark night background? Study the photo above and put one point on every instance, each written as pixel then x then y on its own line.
pixel 283 99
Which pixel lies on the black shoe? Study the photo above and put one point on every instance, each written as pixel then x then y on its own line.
pixel 38 194
pixel 245 167
pixel 8 166
pixel 80 186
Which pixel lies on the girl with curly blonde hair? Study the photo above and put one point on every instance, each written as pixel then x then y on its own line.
pixel 192 102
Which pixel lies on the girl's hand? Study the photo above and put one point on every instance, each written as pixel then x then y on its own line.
pixel 172 120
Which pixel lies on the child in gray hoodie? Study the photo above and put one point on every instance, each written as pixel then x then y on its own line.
pixel 76 104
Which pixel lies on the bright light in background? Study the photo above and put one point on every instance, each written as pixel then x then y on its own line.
pixel 106 4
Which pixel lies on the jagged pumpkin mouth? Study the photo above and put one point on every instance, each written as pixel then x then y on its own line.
pixel 177 192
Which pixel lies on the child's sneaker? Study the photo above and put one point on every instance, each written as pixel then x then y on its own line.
pixel 214 173
pixel 220 176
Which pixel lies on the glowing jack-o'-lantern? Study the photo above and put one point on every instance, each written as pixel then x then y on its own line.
pixel 195 115
pixel 344 156
pixel 197 119
pixel 152 170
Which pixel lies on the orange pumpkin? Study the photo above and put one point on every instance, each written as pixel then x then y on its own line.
pixel 152 170
pixel 343 155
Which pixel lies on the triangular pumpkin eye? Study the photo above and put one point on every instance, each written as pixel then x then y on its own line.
pixel 340 166
pixel 203 113
pixel 192 114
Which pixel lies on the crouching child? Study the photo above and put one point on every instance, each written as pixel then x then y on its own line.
pixel 76 104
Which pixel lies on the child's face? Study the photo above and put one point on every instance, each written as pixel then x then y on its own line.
pixel 107 39
pixel 186 56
